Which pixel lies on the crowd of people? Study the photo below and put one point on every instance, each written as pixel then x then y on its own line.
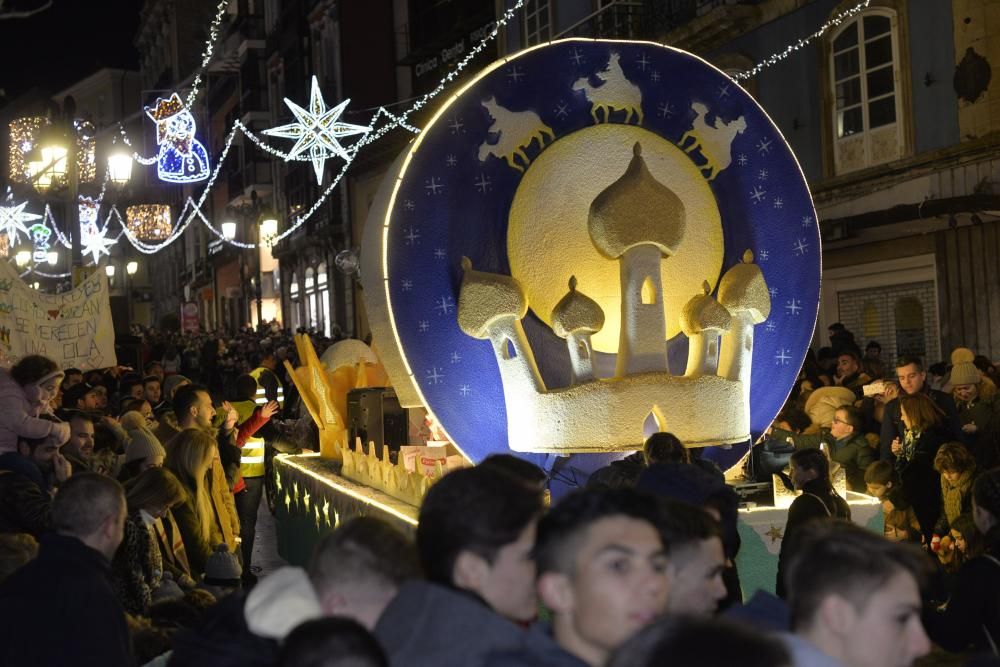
pixel 128 507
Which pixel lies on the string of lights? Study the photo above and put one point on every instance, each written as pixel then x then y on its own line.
pixel 206 56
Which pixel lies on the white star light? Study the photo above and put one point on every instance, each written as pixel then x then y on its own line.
pixel 318 130
pixel 94 242
pixel 14 219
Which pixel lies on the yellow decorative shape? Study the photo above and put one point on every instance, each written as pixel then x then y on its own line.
pixel 558 189
pixel 392 479
pixel 576 313
pixel 703 313
pixel 742 288
pixel 486 298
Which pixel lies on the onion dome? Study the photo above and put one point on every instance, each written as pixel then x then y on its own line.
pixel 703 313
pixel 742 288
pixel 576 313
pixel 635 210
pixel 485 298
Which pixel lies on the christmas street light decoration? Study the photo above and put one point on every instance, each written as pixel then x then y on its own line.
pixel 182 158
pixel 149 222
pixel 23 138
pixel 14 219
pixel 40 234
pixel 317 130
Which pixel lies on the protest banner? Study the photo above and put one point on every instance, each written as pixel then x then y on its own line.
pixel 73 328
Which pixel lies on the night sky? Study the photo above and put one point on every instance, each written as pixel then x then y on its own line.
pixel 65 43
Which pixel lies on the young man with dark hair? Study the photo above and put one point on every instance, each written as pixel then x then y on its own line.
pixel 475 539
pixel 692 541
pixel 79 449
pixel 27 479
pixel 604 574
pixel 912 380
pixel 849 373
pixel 854 598
pixel 68 587
pixel 152 391
pixel 664 448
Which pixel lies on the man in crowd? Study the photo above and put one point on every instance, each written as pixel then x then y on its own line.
pixel 80 396
pixel 912 380
pixel 849 373
pixel 475 539
pixel 354 572
pixel 854 599
pixel 152 391
pixel 604 574
pixel 71 378
pixel 61 608
pixel 79 449
pixel 27 478
pixel 692 541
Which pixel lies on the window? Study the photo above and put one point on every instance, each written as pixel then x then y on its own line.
pixel 537 22
pixel 910 337
pixel 293 297
pixel 312 315
pixel 324 297
pixel 864 74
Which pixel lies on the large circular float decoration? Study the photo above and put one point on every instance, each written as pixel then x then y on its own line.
pixel 610 167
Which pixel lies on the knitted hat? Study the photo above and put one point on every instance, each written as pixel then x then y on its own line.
pixel 142 444
pixel 167 590
pixel 222 568
pixel 171 383
pixel 132 419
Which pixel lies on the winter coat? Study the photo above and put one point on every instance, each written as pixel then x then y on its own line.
pixel 852 452
pixel 956 499
pixel 61 609
pixel 818 501
pixel 538 650
pixel 171 545
pixel 618 474
pixel 974 606
pixel 427 625
pixel 222 639
pixel 18 417
pixel 921 483
pixel 137 565
pixel 225 523
pixel 984 412
pixel 25 496
pixel 893 427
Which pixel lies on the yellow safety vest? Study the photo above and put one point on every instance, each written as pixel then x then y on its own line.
pixel 261 397
pixel 252 455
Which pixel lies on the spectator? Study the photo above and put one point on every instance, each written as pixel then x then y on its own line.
pixel 978 408
pixel 854 598
pixel 971 618
pixel 475 538
pixel 170 386
pixel 132 387
pixel 331 642
pixel 71 378
pixel 914 452
pixel 882 482
pixel 152 391
pixel 16 551
pixel 692 542
pixel 845 441
pixel 138 565
pixel 912 381
pixel 143 451
pixel 80 396
pixel 849 372
pixel 603 573
pixel 810 475
pixel 25 393
pixel 27 479
pixel 958 472
pixel 69 585
pixel 79 449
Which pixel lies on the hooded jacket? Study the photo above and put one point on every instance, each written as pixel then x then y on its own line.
pixel 18 417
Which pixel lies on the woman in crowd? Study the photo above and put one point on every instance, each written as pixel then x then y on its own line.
pixel 924 433
pixel 142 452
pixel 190 459
pixel 810 475
pixel 138 564
pixel 976 400
pixel 958 471
pixel 971 618
pixel 26 392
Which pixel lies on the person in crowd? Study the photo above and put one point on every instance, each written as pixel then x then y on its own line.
pixel 27 480
pixel 604 574
pixel 840 338
pixel 872 364
pixel 331 642
pixel 692 541
pixel 152 391
pixel 811 377
pixel 971 618
pixel 79 449
pixel 155 368
pixel 845 441
pixel 132 387
pixel 79 397
pixel 913 454
pixel 849 372
pixel 109 445
pixel 71 378
pixel 223 573
pixel 978 410
pixel 25 393
pixel 353 573
pixel 819 500
pixel 61 608
pixel 16 551
pixel 681 640
pixel 138 565
pixel 958 471
pixel 882 482
pixel 202 518
pixel 142 452
pixel 854 598
pixel 170 385
pixel 475 537
pixel 527 472
pixel 913 381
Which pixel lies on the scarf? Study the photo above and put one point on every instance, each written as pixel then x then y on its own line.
pixel 953 495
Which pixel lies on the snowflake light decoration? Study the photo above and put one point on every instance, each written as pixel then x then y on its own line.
pixel 14 219
pixel 317 130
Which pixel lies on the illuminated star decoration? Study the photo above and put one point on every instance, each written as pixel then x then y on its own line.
pixel 14 219
pixel 93 241
pixel 317 130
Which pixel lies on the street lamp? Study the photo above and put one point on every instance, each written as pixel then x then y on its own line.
pixel 268 226
pixel 229 230
pixel 110 270
pixel 52 257
pixel 132 267
pixel 119 164
pixel 22 257
pixel 58 163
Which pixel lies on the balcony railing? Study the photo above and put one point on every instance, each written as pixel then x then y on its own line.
pixel 644 19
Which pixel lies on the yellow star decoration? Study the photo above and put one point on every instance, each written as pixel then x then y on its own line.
pixel 317 130
pixel 326 511
pixel 277 480
pixel 306 501
pixel 288 501
pixel 774 534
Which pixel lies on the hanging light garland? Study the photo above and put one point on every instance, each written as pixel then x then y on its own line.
pixel 23 138
pixel 149 222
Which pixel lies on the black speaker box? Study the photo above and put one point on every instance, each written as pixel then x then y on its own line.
pixel 375 415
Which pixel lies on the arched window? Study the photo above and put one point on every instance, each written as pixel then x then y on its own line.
pixel 910 335
pixel 864 80
pixel 871 321
pixel 648 294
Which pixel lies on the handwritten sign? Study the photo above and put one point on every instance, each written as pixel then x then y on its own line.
pixel 73 328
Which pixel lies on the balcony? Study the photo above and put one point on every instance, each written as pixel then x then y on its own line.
pixel 625 19
pixel 702 25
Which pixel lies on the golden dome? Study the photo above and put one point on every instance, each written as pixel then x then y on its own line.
pixel 485 298
pixel 634 210
pixel 742 288
pixel 576 313
pixel 703 313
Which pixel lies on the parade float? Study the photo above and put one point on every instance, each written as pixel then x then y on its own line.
pixel 590 241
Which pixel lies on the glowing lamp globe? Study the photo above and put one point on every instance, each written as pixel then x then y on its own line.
pixel 229 230
pixel 23 257
pixel 110 270
pixel 119 166
pixel 268 226
pixel 52 257
pixel 132 267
